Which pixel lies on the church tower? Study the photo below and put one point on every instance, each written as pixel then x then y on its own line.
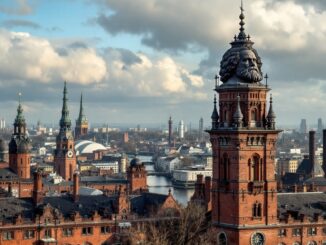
pixel 19 147
pixel 81 128
pixel 243 137
pixel 65 156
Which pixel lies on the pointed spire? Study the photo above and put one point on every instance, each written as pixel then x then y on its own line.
pixel 215 117
pixel 65 121
pixel 238 116
pixel 20 117
pixel 81 118
pixel 242 34
pixel 271 115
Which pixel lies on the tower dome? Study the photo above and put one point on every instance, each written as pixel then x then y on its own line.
pixel 241 63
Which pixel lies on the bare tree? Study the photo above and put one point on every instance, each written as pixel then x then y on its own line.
pixel 189 228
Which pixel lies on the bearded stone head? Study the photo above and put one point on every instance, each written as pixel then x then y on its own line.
pixel 243 63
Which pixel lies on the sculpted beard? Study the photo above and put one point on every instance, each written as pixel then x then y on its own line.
pixel 249 74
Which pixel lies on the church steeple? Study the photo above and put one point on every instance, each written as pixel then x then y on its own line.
pixel 81 128
pixel 65 122
pixel 65 156
pixel 81 118
pixel 19 146
pixel 19 124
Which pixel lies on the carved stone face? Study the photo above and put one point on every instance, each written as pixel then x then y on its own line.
pixel 247 68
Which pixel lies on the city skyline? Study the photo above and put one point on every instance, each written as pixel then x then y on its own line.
pixel 140 62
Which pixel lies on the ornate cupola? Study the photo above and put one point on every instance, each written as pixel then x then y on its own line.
pixel 20 146
pixel 215 116
pixel 64 155
pixel 81 128
pixel 243 141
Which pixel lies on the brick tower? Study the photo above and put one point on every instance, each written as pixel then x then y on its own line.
pixel 19 147
pixel 64 156
pixel 243 137
pixel 137 176
pixel 81 128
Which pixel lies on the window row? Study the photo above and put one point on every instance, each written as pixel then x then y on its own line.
pixel 311 231
pixel 66 232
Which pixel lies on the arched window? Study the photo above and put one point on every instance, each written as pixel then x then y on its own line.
pixel 257 168
pixel 225 118
pixel 221 239
pixel 256 210
pixel 250 170
pixel 253 117
pixel 225 167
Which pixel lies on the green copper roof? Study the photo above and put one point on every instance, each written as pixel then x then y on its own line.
pixel 81 118
pixel 65 121
pixel 20 117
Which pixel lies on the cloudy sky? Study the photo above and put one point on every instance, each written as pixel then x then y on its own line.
pixel 138 62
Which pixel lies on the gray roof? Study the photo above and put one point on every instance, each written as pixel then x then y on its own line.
pixel 7 174
pixel 142 204
pixel 307 168
pixel 307 203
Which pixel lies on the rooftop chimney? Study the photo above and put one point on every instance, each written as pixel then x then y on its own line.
pixel 76 187
pixel 312 151
pixel 38 188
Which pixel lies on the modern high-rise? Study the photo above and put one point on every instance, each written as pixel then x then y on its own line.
pixel 181 129
pixel 170 131
pixel 320 126
pixel 201 130
pixel 303 126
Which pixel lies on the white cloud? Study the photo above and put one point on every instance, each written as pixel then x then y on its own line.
pixel 25 57
pixel 150 77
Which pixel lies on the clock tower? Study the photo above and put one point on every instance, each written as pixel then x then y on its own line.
pixel 65 156
pixel 243 137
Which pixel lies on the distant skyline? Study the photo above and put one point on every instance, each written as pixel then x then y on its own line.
pixel 139 62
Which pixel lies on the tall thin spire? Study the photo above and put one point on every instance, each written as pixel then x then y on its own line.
pixel 215 117
pixel 81 117
pixel 242 35
pixel 65 121
pixel 271 115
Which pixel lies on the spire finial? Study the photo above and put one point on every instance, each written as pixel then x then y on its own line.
pixel 215 117
pixel 217 81
pixel 242 34
pixel 19 97
pixel 20 117
pixel 266 78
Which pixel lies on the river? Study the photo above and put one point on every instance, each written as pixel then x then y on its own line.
pixel 160 184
